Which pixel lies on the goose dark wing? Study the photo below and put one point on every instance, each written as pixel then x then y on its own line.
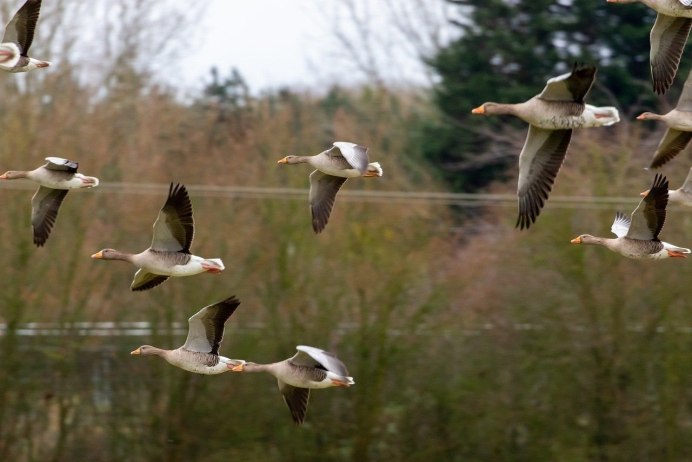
pixel 323 189
pixel 44 211
pixel 671 144
pixel 20 29
pixel 206 327
pixel 296 399
pixel 174 228
pixel 668 37
pixel 144 280
pixel 571 87
pixel 650 215
pixel 539 162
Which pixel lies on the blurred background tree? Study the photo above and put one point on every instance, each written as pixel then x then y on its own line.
pixel 467 343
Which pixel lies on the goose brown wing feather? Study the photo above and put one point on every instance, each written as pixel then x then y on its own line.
pixel 650 215
pixel 672 143
pixel 571 87
pixel 20 29
pixel 144 280
pixel 668 37
pixel 539 162
pixel 45 205
pixel 296 399
pixel 174 227
pixel 323 189
pixel 206 327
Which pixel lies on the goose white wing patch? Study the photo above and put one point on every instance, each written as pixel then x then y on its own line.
pixel 311 356
pixel 355 154
pixel 621 224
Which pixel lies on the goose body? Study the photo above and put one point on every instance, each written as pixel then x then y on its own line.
pixel 309 368
pixel 19 34
pixel 54 178
pixel 551 115
pixel 332 168
pixel 637 237
pixel 169 253
pixel 668 37
pixel 679 123
pixel 199 353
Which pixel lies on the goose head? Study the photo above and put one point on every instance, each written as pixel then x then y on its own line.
pixel 244 366
pixel 146 350
pixel 291 160
pixel 490 108
pixel 648 116
pixel 586 239
pixel 109 254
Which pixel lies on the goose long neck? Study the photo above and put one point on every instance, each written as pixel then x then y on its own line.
pixel 651 116
pixel 595 240
pixel 14 174
pixel 254 367
pixel 301 159
pixel 502 108
pixel 154 351
pixel 118 255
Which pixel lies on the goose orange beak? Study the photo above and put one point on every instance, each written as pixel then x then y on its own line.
pixel 283 161
pixel 479 110
pixel 98 254
pixel 576 240
pixel 138 351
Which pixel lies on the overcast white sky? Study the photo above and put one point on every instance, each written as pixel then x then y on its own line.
pixel 290 42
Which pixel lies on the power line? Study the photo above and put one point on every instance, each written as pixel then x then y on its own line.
pixel 406 197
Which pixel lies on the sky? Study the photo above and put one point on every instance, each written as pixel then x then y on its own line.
pixel 277 43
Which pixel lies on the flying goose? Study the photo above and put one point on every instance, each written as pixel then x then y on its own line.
pixel 637 237
pixel 309 368
pixel 200 352
pixel 682 195
pixel 334 166
pixel 169 253
pixel 551 115
pixel 668 37
pixel 679 122
pixel 55 178
pixel 19 33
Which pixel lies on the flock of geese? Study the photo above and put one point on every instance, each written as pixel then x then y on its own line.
pixel 551 115
pixel 554 113
pixel 169 254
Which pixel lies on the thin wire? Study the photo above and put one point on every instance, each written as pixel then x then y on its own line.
pixel 407 197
